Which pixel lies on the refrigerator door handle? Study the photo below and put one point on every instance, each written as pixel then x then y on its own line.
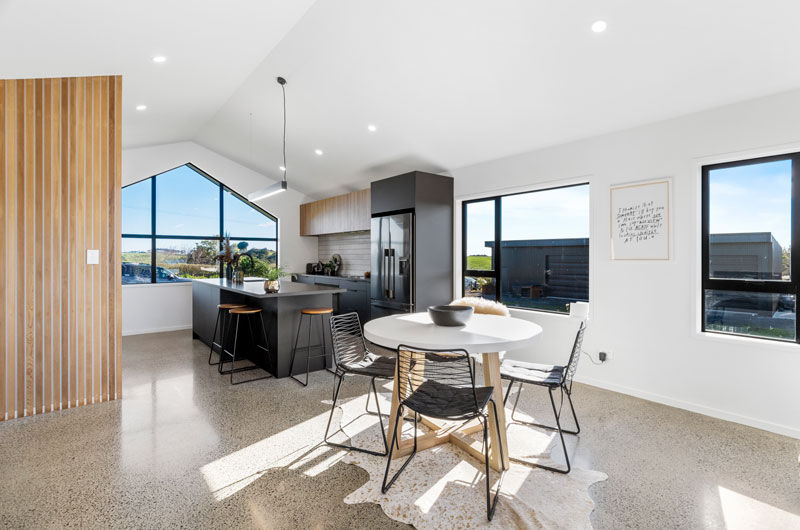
pixel 394 271
pixel 385 272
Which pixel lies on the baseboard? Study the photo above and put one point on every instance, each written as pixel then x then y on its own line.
pixel 693 407
pixel 155 330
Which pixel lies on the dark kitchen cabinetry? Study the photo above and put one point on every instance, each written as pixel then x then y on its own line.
pixel 355 299
pixel 411 243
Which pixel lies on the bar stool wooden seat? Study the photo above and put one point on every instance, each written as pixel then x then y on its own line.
pixel 311 313
pixel 222 313
pixel 248 313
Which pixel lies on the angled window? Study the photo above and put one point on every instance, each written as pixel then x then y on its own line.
pixel 529 250
pixel 173 225
pixel 748 229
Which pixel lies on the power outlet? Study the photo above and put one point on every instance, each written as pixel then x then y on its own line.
pixel 604 356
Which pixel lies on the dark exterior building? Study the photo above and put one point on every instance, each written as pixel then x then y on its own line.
pixel 546 268
pixel 753 255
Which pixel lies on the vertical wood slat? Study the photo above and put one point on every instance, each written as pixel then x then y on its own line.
pixel 29 179
pixel 19 361
pixel 46 286
pixel 37 246
pixel 10 243
pixel 102 241
pixel 65 242
pixel 97 157
pixel 114 258
pixel 3 211
pixel 59 196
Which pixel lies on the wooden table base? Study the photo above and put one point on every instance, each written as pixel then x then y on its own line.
pixel 456 432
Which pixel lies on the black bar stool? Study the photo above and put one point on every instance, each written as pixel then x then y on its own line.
pixel 249 313
pixel 311 313
pixel 222 313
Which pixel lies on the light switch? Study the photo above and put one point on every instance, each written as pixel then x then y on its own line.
pixel 92 257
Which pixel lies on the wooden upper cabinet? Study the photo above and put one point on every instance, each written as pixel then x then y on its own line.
pixel 344 213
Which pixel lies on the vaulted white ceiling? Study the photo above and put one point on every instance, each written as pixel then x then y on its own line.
pixel 447 83
pixel 211 47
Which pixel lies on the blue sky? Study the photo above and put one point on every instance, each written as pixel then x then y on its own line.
pixel 547 214
pixel 752 198
pixel 188 204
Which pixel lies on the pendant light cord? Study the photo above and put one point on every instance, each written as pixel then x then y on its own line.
pixel 283 87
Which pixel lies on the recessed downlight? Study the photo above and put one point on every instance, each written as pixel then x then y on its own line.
pixel 318 152
pixel 599 26
pixel 141 107
pixel 371 128
pixel 159 59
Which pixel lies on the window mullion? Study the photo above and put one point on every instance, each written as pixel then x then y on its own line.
pixel 794 258
pixel 153 230
pixel 498 235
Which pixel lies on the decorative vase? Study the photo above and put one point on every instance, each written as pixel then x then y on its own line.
pixel 272 286
pixel 228 272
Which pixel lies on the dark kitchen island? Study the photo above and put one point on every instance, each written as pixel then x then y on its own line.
pixel 281 312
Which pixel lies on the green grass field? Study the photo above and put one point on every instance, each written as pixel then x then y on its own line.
pixel 479 263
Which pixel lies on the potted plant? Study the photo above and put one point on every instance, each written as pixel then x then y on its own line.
pixel 273 275
pixel 230 258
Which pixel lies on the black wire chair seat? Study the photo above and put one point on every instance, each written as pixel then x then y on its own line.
pixel 553 378
pixel 446 402
pixel 441 384
pixel 532 373
pixel 377 366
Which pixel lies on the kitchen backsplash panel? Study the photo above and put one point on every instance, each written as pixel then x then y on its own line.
pixel 354 247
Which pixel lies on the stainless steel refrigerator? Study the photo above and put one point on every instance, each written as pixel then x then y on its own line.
pixel 392 269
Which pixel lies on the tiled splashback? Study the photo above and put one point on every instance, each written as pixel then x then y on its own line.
pixel 354 247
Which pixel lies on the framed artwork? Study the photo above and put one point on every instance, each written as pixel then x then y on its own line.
pixel 640 220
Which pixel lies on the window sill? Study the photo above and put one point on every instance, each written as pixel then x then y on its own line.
pixel 738 340
pixel 145 285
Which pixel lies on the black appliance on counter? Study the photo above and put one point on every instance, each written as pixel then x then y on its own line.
pixel 411 243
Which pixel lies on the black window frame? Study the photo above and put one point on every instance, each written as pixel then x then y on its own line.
pixel 154 236
pixel 750 285
pixel 497 259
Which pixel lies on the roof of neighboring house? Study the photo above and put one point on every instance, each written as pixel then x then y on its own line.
pixel 745 237
pixel 565 242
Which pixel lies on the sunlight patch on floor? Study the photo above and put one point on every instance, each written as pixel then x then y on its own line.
pixel 745 513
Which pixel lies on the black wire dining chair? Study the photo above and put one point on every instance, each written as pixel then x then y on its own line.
pixel 351 357
pixel 551 377
pixel 441 384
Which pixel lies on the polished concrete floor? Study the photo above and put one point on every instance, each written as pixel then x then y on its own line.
pixel 147 461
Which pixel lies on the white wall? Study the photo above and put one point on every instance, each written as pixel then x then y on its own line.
pixel 150 308
pixel 647 313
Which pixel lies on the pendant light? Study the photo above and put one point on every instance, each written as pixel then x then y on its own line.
pixel 282 185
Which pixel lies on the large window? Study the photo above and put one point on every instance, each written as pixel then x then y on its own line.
pixel 528 250
pixel 749 225
pixel 173 226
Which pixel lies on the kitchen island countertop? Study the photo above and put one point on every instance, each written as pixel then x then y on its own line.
pixel 256 289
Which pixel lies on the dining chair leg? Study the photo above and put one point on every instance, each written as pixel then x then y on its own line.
pixel 574 416
pixel 561 435
pixel 385 486
pixel 542 425
pixel 508 390
pixel 491 504
pixel 351 447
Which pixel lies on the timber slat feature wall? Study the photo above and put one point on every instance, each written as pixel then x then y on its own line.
pixel 60 166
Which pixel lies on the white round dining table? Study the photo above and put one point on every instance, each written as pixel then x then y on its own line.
pixel 482 334
pixel 485 335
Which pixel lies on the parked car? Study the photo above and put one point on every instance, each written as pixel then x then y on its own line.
pixel 140 273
